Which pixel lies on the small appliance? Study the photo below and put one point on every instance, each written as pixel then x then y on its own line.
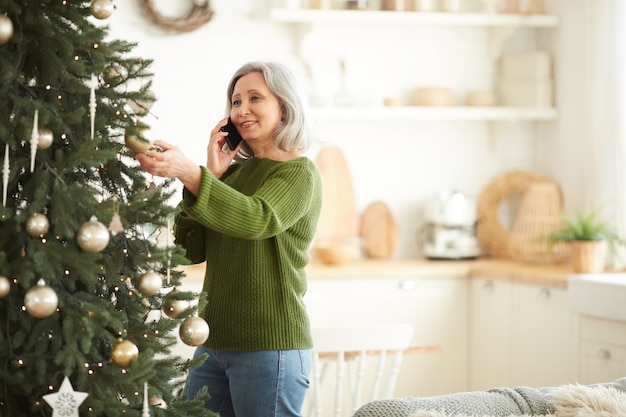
pixel 450 227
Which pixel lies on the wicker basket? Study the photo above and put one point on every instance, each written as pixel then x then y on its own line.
pixel 493 236
pixel 538 215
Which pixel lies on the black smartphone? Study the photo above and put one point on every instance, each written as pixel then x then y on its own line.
pixel 233 138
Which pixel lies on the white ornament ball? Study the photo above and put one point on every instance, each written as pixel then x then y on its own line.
pixel 172 307
pixel 93 236
pixel 41 301
pixel 45 138
pixel 101 9
pixel 37 225
pixel 6 29
pixel 123 352
pixel 150 283
pixel 5 286
pixel 194 331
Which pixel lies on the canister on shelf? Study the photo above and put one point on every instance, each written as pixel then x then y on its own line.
pixel 481 98
pixel 356 4
pixel 397 5
pixel 451 5
pixel 320 4
pixel 425 5
pixel 432 96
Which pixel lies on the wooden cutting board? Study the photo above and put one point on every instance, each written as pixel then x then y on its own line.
pixel 339 218
pixel 379 231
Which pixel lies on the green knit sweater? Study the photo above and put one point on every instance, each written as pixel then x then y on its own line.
pixel 254 228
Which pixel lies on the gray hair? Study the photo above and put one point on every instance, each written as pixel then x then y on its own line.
pixel 296 131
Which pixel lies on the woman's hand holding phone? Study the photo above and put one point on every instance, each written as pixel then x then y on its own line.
pixel 219 152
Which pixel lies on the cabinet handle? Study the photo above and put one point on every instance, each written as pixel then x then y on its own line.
pixel 604 354
pixel 545 293
pixel 489 284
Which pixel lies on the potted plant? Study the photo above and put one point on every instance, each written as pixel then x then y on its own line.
pixel 589 239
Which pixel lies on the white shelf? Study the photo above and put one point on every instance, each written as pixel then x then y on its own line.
pixel 435 113
pixel 410 17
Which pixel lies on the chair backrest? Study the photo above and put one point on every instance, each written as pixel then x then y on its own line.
pixel 348 349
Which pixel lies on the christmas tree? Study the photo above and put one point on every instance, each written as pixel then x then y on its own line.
pixel 89 309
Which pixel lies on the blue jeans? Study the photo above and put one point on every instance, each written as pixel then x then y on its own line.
pixel 266 383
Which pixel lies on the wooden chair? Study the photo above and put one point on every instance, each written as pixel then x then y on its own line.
pixel 348 348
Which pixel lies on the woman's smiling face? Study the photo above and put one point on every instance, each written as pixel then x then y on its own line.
pixel 256 110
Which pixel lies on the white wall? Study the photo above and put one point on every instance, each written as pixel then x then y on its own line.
pixel 402 163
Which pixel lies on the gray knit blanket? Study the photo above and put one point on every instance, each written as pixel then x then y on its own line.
pixel 496 402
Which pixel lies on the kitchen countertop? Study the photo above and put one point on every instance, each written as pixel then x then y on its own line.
pixel 551 275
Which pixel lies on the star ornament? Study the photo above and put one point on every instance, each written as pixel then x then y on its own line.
pixel 65 402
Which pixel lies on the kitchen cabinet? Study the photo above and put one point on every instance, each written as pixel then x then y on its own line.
pixel 499 26
pixel 520 334
pixel 437 308
pixel 602 349
pixel 599 331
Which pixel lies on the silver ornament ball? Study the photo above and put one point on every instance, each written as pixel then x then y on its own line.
pixel 6 29
pixel 37 225
pixel 5 286
pixel 41 300
pixel 150 283
pixel 101 9
pixel 194 331
pixel 45 138
pixel 93 236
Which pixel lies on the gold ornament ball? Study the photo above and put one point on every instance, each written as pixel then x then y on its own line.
pixel 150 283
pixel 37 225
pixel 6 29
pixel 123 352
pixel 172 307
pixel 41 301
pixel 45 138
pixel 93 236
pixel 194 331
pixel 111 74
pixel 101 9
pixel 5 286
pixel 137 144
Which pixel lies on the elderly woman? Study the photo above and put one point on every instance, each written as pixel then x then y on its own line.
pixel 251 214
